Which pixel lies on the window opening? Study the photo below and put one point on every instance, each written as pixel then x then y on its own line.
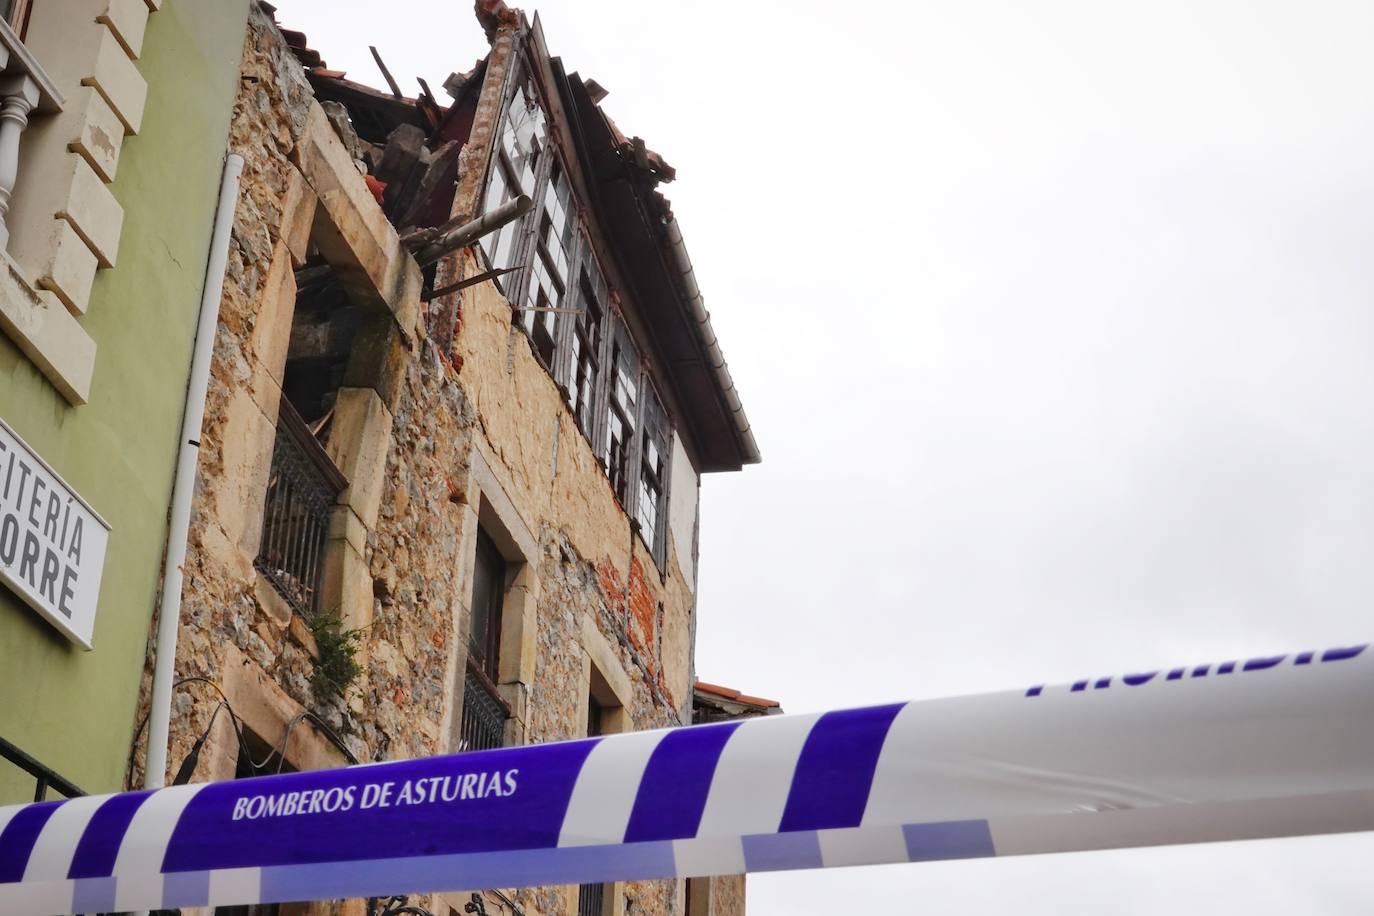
pixel 652 477
pixel 620 413
pixel 488 597
pixel 484 711
pixel 513 172
pixel 304 484
pixel 586 346
pixel 255 758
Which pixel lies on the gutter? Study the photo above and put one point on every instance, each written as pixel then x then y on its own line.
pixel 682 263
pixel 183 487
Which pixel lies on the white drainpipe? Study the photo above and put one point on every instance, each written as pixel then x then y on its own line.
pixel 169 606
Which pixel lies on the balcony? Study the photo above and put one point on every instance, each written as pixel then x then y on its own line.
pixel 484 712
pixel 24 88
pixel 302 488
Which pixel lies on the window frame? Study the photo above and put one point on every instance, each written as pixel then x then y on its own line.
pixel 561 365
pixel 17 17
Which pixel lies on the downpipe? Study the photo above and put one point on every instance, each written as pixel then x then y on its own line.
pixel 183 487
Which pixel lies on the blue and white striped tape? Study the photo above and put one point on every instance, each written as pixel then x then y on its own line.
pixel 1261 747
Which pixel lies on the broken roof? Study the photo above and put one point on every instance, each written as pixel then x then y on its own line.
pixel 621 176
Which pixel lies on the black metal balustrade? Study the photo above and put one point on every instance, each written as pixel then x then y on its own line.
pixel 301 491
pixel 44 777
pixel 591 898
pixel 484 712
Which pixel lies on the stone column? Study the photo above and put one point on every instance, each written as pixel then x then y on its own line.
pixel 20 95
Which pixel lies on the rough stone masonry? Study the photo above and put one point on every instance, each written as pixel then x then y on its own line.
pixel 435 445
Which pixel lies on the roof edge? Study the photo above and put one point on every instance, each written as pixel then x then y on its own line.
pixel 687 281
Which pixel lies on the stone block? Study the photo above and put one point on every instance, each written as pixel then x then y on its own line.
pixel 499 515
pixel 298 217
pixel 351 230
pixel 247 440
pixel 92 210
pixel 41 327
pixel 219 551
pixel 79 51
pixel 344 525
pixel 379 358
pixel 271 603
pixel 358 443
pixel 604 658
pixel 116 78
pixel 68 270
pixel 300 632
pixel 347 587
pixel 127 19
pixel 271 337
pixel 519 636
pixel 266 710
pixel 87 126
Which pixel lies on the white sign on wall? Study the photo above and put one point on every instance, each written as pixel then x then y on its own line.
pixel 52 543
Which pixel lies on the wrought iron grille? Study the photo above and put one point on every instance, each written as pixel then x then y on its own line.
pixel 301 491
pixel 44 777
pixel 590 899
pixel 484 713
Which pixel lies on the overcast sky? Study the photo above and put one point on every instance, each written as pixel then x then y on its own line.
pixel 1053 321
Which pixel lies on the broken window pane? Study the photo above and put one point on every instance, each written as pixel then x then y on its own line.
pixel 652 465
pixel 549 279
pixel 620 413
pixel 513 170
pixel 586 345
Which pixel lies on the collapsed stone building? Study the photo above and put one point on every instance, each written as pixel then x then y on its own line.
pixel 448 485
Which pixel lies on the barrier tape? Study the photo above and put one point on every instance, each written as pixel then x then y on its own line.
pixel 1263 747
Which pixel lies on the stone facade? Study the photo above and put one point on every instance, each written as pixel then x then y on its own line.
pixel 442 430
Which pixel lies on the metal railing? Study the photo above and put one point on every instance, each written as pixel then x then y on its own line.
pixel 484 713
pixel 591 899
pixel 301 491
pixel 45 777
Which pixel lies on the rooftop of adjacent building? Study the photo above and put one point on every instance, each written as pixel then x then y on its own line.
pixel 714 703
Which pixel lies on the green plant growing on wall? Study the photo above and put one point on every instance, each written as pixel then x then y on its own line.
pixel 337 666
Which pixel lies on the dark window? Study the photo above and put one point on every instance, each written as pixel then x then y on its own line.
pixel 484 711
pixel 488 596
pixel 594 712
pixel 591 898
pixel 304 483
pixel 256 758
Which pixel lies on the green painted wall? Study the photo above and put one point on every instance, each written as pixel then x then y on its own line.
pixel 72 709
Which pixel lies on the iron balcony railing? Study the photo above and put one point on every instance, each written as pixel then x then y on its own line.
pixel 44 777
pixel 302 489
pixel 591 899
pixel 484 712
